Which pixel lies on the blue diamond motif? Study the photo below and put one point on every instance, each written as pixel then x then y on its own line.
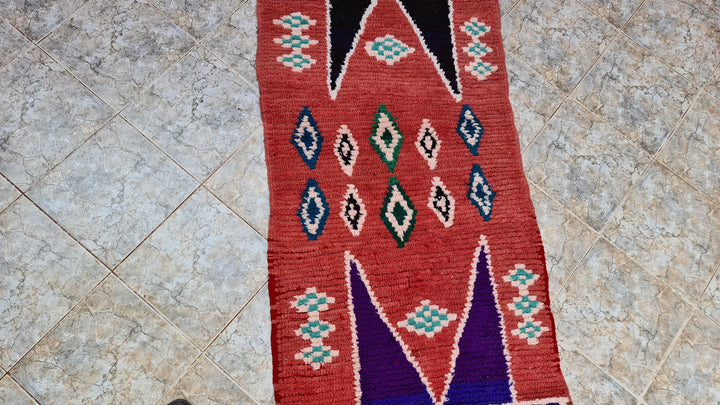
pixel 307 138
pixel 469 129
pixel 480 193
pixel 314 210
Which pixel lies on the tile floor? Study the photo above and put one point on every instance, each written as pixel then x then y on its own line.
pixel 132 266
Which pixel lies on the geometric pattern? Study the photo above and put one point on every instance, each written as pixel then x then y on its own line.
pixel 469 129
pixel 441 202
pixel 427 319
pixel 398 213
pixel 346 149
pixel 480 193
pixel 525 305
pixel 352 210
pixel 296 23
pixel 388 49
pixel 476 49
pixel 314 210
pixel 386 137
pixel 307 138
pixel 312 303
pixel 428 143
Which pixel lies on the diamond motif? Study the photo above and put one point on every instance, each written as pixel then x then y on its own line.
pixel 441 202
pixel 312 301
pixel 427 319
pixel 313 210
pixel 526 305
pixel 521 278
pixel 475 28
pixel 295 22
pixel 307 138
pixel 315 329
pixel 346 149
pixel 317 354
pixel 477 49
pixel 296 61
pixel 398 213
pixel 480 193
pixel 352 210
pixel 530 330
pixel 386 137
pixel 480 69
pixel 295 41
pixel 469 129
pixel 388 49
pixel 428 143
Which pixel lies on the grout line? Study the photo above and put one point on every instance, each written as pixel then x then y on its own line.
pixel 10 376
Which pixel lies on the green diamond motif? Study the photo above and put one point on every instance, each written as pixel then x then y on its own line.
pixel 525 305
pixel 427 319
pixel 388 49
pixel 475 28
pixel 398 213
pixel 386 138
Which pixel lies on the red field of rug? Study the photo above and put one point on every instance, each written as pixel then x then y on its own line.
pixel 406 265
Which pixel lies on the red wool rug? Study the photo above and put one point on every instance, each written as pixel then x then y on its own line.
pixel 406 265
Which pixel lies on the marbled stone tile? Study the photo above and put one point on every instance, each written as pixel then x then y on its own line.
pixel 243 349
pixel 12 394
pixel 12 42
pixel 8 193
pixel 691 372
pixel 46 114
pixel 43 273
pixel 36 18
pixel 533 99
pixel 588 384
pixel 116 47
pixel 113 191
pixel 549 34
pixel 618 316
pixel 693 151
pixel 198 17
pixel 615 11
pixel 111 349
pixel 671 229
pixel 682 32
pixel 636 93
pixel 199 267
pixel 712 86
pixel 242 183
pixel 235 41
pixel 205 384
pixel 506 5
pixel 584 164
pixel 199 112
pixel 710 300
pixel 565 238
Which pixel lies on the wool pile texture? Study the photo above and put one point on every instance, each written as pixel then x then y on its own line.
pixel 406 265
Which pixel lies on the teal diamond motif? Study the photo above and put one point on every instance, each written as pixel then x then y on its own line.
pixel 388 49
pixel 427 319
pixel 317 354
pixel 520 277
pixel 296 61
pixel 475 28
pixel 525 305
pixel 312 301
pixel 315 329
pixel 295 21
pixel 295 42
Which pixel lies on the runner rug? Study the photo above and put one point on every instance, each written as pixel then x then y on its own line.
pixel 406 265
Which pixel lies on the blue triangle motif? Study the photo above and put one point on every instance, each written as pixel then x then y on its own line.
pixel 307 138
pixel 470 129
pixel 314 210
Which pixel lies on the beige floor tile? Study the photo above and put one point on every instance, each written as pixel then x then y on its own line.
pixel 636 93
pixel 506 5
pixel 584 164
pixel 547 35
pixel 588 384
pixel 533 99
pixel 683 32
pixel 235 41
pixel 710 300
pixel 199 112
pixel 565 238
pixel 199 268
pixel 37 18
pixel 111 349
pixel 204 384
pixel 43 273
pixel 691 372
pixel 12 394
pixel 46 114
pixel 8 193
pixel 12 42
pixel 117 47
pixel 693 151
pixel 113 191
pixel 615 11
pixel 197 17
pixel 712 86
pixel 243 349
pixel 618 316
pixel 671 229
pixel 242 184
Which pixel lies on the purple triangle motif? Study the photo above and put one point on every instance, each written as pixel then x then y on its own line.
pixel 386 375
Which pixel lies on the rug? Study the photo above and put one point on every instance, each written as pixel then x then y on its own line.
pixel 406 265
